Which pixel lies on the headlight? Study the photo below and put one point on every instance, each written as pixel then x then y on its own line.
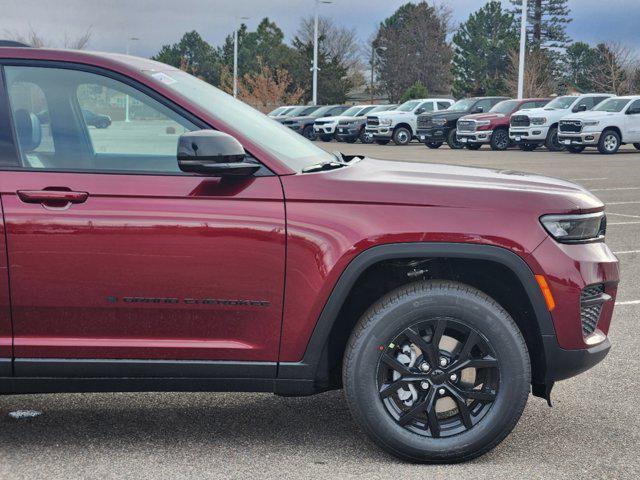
pixel 483 123
pixel 590 123
pixel 386 121
pixel 576 228
pixel 538 120
pixel 439 121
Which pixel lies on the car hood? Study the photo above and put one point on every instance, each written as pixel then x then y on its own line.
pixel 301 119
pixel 446 114
pixel 392 114
pixel 589 115
pixel 335 118
pixel 411 183
pixel 484 116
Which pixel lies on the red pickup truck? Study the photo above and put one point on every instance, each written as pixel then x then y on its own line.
pixel 492 127
pixel 197 245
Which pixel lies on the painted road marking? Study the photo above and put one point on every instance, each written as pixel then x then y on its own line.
pixel 624 252
pixel 629 302
pixel 623 215
pixel 622 223
pixel 634 202
pixel 585 179
pixel 613 189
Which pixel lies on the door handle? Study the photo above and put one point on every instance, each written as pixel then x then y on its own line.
pixel 52 197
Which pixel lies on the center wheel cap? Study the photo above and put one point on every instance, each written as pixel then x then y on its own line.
pixel 438 376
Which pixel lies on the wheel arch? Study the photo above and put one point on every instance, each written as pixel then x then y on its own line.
pixel 405 125
pixel 615 129
pixel 330 335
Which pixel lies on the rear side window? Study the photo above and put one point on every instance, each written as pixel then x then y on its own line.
pixel 443 105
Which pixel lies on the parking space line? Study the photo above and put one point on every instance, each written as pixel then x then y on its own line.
pixel 624 252
pixel 585 179
pixel 632 202
pixel 623 223
pixel 629 302
pixel 613 189
pixel 623 215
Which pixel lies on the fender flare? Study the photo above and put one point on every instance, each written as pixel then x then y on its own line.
pixel 307 367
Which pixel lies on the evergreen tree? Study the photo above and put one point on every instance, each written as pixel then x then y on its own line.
pixel 481 51
pixel 417 90
pixel 193 55
pixel 580 62
pixel 412 46
pixel 546 22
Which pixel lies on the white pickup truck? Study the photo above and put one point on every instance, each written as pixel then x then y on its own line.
pixel 612 123
pixel 539 126
pixel 400 125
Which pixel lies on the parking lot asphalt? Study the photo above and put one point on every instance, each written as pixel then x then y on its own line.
pixel 592 431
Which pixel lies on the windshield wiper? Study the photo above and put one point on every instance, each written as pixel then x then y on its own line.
pixel 319 167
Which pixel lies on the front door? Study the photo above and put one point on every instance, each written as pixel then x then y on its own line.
pixel 116 254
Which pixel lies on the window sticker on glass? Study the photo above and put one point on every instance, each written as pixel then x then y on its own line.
pixel 164 78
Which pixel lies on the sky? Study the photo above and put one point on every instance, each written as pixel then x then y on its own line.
pixel 159 22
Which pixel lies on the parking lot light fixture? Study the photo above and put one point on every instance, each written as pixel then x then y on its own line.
pixel 315 50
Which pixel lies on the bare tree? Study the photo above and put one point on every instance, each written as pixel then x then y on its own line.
pixel 612 73
pixel 539 80
pixel 36 40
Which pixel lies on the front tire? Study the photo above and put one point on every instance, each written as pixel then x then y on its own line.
pixel 500 140
pixel 552 143
pixel 308 133
pixel 439 412
pixel 528 147
pixel 364 138
pixel 609 142
pixel 474 146
pixel 326 138
pixel 402 136
pixel 452 140
pixel 637 146
pixel 575 148
pixel 434 145
pixel 383 142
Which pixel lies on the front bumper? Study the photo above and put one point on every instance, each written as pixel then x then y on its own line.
pixel 580 139
pixel 324 129
pixel 532 134
pixel 347 133
pixel 296 127
pixel 480 136
pixel 433 135
pixel 563 363
pixel 382 132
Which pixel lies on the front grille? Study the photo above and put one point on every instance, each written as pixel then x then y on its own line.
pixel 570 126
pixel 466 126
pixel 373 121
pixel 520 121
pixel 321 122
pixel 591 300
pixel 424 121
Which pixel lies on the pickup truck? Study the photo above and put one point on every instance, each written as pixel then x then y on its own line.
pixel 493 127
pixel 539 126
pixel 325 127
pixel 436 128
pixel 400 125
pixel 613 123
pixel 351 129
pixel 205 247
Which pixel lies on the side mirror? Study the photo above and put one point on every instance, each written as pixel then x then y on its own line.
pixel 477 110
pixel 581 108
pixel 420 110
pixel 213 153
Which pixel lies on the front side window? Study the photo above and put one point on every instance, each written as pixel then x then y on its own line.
pixel 83 121
pixel 427 107
pixel 462 105
pixel 561 103
pixel 408 106
pixel 613 105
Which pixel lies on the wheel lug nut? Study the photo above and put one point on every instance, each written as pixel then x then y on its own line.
pixel 424 385
pixel 443 362
pixel 425 367
pixel 453 377
pixel 441 391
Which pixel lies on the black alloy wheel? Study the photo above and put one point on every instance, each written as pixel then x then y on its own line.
pixel 500 140
pixel 308 133
pixel 452 140
pixel 434 145
pixel 433 391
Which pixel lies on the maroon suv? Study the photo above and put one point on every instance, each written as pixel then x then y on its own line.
pixel 197 245
pixel 492 127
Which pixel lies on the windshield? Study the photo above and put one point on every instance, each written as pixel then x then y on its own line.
pixel 506 106
pixel 613 105
pixel 288 146
pixel 462 105
pixel 277 111
pixel 408 106
pixel 561 103
pixel 353 111
pixel 382 108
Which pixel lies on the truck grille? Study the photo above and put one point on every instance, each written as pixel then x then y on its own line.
pixel 466 126
pixel 591 300
pixel 321 122
pixel 424 121
pixel 373 121
pixel 570 126
pixel 520 121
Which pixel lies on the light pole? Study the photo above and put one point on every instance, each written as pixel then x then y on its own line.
pixel 235 56
pixel 374 50
pixel 315 50
pixel 126 98
pixel 523 42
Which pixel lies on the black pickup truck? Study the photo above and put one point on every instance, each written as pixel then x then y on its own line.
pixel 436 128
